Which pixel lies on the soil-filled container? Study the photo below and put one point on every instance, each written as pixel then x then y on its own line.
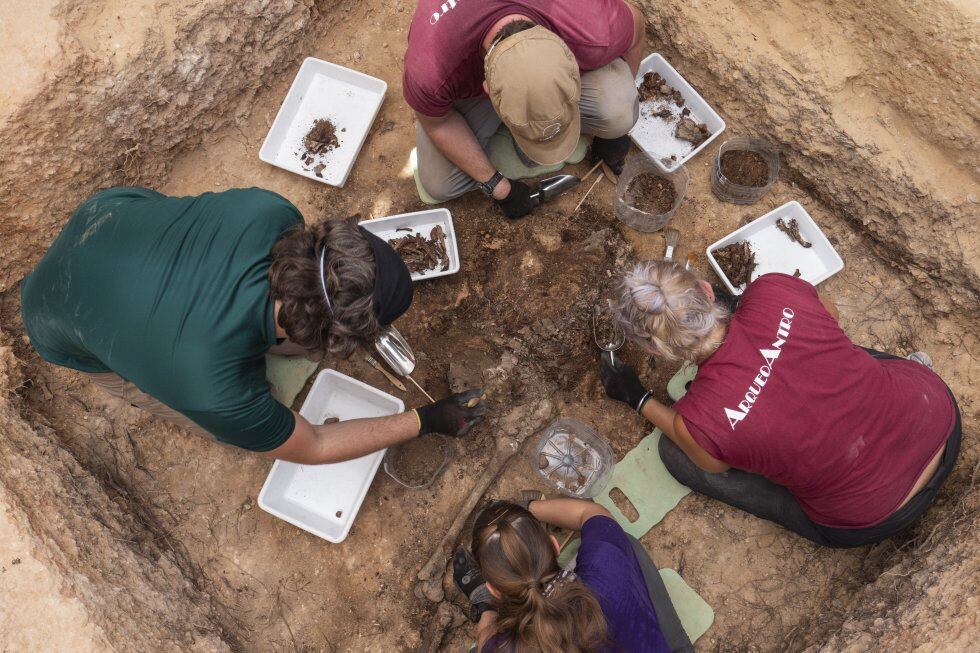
pixel 417 464
pixel 745 169
pixel 647 197
pixel 573 458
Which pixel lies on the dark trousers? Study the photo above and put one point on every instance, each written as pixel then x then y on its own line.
pixel 761 497
pixel 670 623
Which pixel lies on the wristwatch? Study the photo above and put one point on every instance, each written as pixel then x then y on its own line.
pixel 488 186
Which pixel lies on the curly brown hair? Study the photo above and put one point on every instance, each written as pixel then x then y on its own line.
pixel 349 272
pixel 518 558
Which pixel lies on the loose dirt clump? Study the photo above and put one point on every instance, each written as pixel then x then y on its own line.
pixel 651 193
pixel 415 462
pixel 654 87
pixel 792 229
pixel 688 129
pixel 321 138
pixel 422 254
pixel 745 168
pixel 737 261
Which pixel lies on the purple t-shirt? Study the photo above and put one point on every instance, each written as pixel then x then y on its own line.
pixel 607 564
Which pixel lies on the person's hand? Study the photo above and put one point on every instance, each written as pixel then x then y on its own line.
pixel 518 202
pixel 469 580
pixel 621 383
pixel 611 151
pixel 527 496
pixel 453 416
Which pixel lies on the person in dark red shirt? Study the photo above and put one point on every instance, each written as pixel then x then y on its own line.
pixel 550 70
pixel 786 418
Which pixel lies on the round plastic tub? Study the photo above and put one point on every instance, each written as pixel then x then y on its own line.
pixel 573 458
pixel 391 464
pixel 634 217
pixel 727 190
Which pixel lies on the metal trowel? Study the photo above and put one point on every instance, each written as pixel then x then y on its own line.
pixel 394 350
pixel 552 187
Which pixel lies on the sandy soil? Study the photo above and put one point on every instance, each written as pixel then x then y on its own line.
pixel 854 152
pixel 32 588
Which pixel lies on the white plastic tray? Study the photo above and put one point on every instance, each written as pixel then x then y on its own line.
pixel 775 252
pixel 324 499
pixel 350 99
pixel 655 136
pixel 422 223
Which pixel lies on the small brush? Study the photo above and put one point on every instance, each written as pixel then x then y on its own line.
pixel 671 236
pixel 690 260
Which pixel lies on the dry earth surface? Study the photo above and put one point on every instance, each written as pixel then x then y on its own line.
pixel 135 535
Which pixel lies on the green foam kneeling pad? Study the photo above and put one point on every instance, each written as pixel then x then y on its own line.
pixel 694 612
pixel 642 477
pixel 503 156
pixel 677 386
pixel 288 375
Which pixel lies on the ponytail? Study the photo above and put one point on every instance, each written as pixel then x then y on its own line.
pixel 541 607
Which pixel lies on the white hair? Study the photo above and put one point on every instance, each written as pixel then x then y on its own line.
pixel 666 310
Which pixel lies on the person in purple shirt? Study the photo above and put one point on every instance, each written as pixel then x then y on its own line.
pixel 613 600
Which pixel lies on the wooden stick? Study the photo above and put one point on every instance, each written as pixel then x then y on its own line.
pixel 427 395
pixel 566 541
pixel 581 201
pixel 589 173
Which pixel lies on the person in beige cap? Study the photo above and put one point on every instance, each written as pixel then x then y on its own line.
pixel 550 70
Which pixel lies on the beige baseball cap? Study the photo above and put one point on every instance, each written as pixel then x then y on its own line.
pixel 534 85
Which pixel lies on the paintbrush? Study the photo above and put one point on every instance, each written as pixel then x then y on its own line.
pixel 671 235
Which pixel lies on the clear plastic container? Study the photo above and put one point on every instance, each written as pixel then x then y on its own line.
pixel 634 217
pixel 573 458
pixel 392 459
pixel 727 190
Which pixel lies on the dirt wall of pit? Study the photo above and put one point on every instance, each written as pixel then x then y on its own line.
pixel 132 86
pixel 128 93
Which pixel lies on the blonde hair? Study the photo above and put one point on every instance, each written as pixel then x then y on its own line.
pixel 665 309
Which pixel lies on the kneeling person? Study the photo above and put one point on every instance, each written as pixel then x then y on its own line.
pixel 550 70
pixel 171 303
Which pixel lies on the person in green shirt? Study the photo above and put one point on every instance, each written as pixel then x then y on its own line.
pixel 172 303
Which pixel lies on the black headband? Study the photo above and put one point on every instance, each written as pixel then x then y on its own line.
pixel 392 281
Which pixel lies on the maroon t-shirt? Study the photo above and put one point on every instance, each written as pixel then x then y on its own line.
pixel 444 61
pixel 789 397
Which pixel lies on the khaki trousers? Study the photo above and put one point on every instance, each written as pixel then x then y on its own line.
pixel 609 107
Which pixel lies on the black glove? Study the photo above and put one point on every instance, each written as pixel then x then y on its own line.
pixel 518 202
pixel 611 151
pixel 621 383
pixel 469 580
pixel 452 416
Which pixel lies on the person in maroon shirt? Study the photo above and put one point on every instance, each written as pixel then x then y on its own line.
pixel 550 70
pixel 786 418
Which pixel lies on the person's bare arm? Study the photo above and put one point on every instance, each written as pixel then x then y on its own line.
pixel 829 305
pixel 672 424
pixel 340 441
pixel 454 138
pixel 634 55
pixel 570 514
pixel 485 629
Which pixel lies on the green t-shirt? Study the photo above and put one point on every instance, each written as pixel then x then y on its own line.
pixel 171 294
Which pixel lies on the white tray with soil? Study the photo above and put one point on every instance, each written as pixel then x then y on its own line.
pixel 323 122
pixel 426 241
pixel 675 122
pixel 784 240
pixel 324 499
